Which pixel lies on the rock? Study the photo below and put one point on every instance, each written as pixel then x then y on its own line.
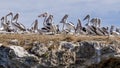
pixel 18 51
pixel 66 45
pixel 85 50
pixel 108 63
pixel 1 44
pixel 107 50
pixel 39 49
pixel 16 57
pixel 67 55
pixel 49 59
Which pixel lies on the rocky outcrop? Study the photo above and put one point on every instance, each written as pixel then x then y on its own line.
pixel 108 63
pixel 84 54
pixel 16 57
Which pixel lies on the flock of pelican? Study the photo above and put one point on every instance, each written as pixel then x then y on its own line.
pixel 10 24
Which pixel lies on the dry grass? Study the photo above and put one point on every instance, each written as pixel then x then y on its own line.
pixel 5 38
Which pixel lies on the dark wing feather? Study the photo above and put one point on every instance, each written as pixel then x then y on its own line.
pixel 92 20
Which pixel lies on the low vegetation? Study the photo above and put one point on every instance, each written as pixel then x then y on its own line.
pixel 5 38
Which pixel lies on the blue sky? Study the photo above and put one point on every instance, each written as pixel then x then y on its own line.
pixel 107 10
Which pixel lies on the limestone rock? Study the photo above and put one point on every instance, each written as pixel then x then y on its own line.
pixel 16 57
pixel 39 49
pixel 85 50
pixel 66 45
pixel 68 55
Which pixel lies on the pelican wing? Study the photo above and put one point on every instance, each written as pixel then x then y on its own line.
pixel 49 19
pixel 105 30
pixel 22 26
pixel 92 20
pixel 91 30
pixel 99 32
pixel 19 26
pixel 70 25
pixel 15 25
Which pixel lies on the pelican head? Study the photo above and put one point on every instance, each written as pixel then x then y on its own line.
pixel 43 15
pixel 16 16
pixel 86 17
pixel 9 14
pixel 2 18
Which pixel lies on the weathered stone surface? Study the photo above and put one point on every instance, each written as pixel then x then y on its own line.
pixel 85 50
pixel 39 49
pixel 16 57
pixel 66 57
pixel 108 63
pixel 66 45
pixel 79 55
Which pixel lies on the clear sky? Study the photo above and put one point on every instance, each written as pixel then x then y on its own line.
pixel 107 10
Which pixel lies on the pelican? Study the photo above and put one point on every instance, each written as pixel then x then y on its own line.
pixel 45 29
pixel 45 16
pixel 35 26
pixel 88 19
pixel 91 30
pixel 2 24
pixel 70 26
pixel 11 21
pixel 93 20
pixel 22 27
pixel 15 18
pixel 105 30
pixel 117 30
pixel 78 27
pixel 64 20
pixel 57 29
pixel 99 22
pixel 99 31
pixel 14 22
pixel 53 28
pixel 5 24
pixel 112 32
pixel 10 14
pixel 48 23
pixel 49 20
pixel 19 26
pixel 96 22
pixel 111 29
